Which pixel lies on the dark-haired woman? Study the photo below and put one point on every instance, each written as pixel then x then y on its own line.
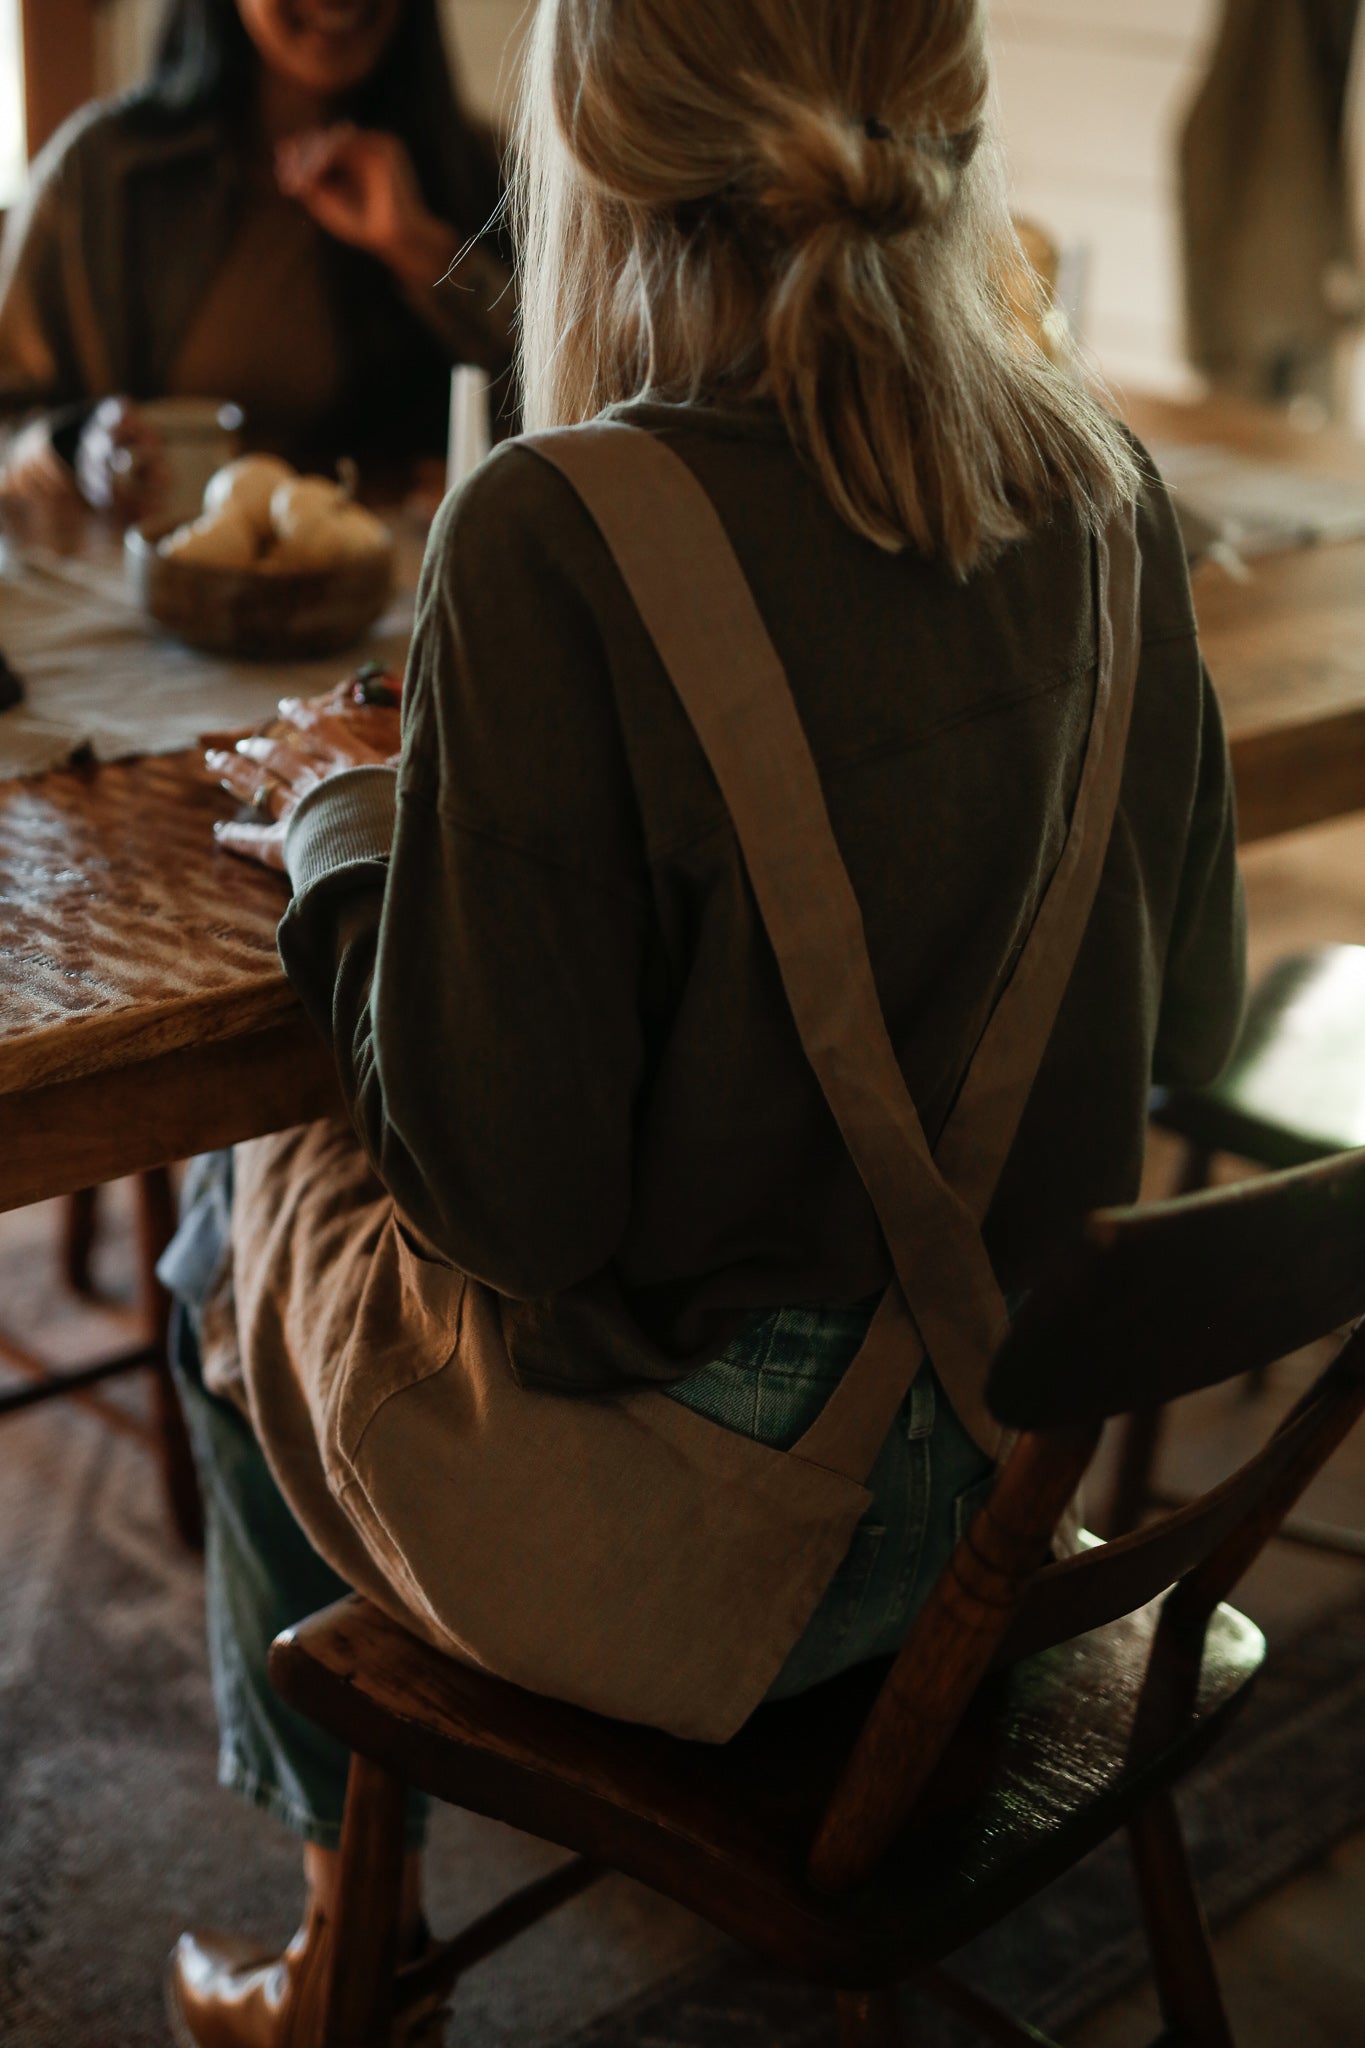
pixel 294 212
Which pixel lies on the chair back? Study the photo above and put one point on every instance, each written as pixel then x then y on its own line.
pixel 1148 1304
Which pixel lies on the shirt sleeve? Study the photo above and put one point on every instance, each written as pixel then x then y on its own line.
pixel 1203 980
pixel 1204 988
pixel 44 399
pixel 478 972
pixel 39 357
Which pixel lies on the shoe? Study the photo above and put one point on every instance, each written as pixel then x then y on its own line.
pixel 222 1992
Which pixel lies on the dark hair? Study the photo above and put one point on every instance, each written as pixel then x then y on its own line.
pixel 205 64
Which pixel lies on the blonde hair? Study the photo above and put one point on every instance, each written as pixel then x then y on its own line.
pixel 799 199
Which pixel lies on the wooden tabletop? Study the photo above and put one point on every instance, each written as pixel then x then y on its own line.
pixel 1286 649
pixel 143 1013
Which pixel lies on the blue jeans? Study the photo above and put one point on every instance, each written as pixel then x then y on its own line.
pixel 263 1575
pixel 928 1480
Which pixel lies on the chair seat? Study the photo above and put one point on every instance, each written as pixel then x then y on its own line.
pixel 1038 1774
pixel 1295 1088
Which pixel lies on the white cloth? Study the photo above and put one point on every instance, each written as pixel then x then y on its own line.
pixel 1255 505
pixel 100 678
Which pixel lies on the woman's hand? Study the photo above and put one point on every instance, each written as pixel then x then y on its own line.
pixel 360 186
pixel 121 461
pixel 311 740
pixel 33 473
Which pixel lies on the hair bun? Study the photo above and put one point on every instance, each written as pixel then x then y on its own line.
pixel 816 168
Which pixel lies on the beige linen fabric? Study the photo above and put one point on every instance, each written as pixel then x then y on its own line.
pixel 101 679
pixel 624 1553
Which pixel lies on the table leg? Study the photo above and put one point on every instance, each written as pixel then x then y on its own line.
pixel 155 1227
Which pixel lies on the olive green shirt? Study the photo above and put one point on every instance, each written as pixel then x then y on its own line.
pixel 556 1015
pixel 110 259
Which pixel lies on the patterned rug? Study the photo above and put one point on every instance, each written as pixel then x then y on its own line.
pixel 113 1836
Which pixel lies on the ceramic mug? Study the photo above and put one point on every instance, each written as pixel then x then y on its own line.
pixel 198 436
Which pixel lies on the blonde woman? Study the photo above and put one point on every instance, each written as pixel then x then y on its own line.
pixel 765 743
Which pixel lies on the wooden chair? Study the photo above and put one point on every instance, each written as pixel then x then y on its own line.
pixel 1293 1092
pixel 861 1833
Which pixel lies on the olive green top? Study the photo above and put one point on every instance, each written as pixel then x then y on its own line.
pixel 556 1016
pixel 265 331
pixel 110 263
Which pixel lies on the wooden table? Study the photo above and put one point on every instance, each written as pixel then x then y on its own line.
pixel 1287 650
pixel 143 1013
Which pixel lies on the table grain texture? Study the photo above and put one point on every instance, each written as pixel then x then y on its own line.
pixel 143 1011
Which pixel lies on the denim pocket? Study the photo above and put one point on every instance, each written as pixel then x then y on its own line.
pixel 723 1392
pixel 786 1404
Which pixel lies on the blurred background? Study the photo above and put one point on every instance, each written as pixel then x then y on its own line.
pixel 1094 96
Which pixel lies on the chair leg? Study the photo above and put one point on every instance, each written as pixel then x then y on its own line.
pixel 364 1941
pixel 869 2019
pixel 1142 1430
pixel 155 1228
pixel 1177 1932
pixel 1137 1462
pixel 78 1239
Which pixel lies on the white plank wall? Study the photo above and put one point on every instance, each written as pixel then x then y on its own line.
pixel 12 152
pixel 487 35
pixel 1091 95
pixel 124 32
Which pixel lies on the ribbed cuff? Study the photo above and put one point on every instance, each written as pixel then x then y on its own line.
pixel 345 821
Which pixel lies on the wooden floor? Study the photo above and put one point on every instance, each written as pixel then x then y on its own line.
pixel 1293 1966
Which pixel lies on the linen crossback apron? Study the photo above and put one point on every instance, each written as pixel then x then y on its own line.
pixel 624 1552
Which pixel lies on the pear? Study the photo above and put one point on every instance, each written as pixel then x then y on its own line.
pixel 228 540
pixel 246 486
pixel 301 501
pixel 329 541
pixel 354 531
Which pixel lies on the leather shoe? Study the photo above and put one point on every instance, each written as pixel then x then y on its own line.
pixel 222 1992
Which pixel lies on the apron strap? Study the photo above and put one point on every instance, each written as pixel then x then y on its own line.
pixel 976 1139
pixel 680 569
pixel 980 1130
pixel 667 541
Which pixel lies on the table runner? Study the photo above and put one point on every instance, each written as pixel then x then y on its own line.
pixel 1259 505
pixel 101 679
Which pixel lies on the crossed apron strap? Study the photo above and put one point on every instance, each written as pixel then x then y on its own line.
pixel 975 1141
pixel 678 565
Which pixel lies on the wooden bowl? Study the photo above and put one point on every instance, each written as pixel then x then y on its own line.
pixel 258 613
